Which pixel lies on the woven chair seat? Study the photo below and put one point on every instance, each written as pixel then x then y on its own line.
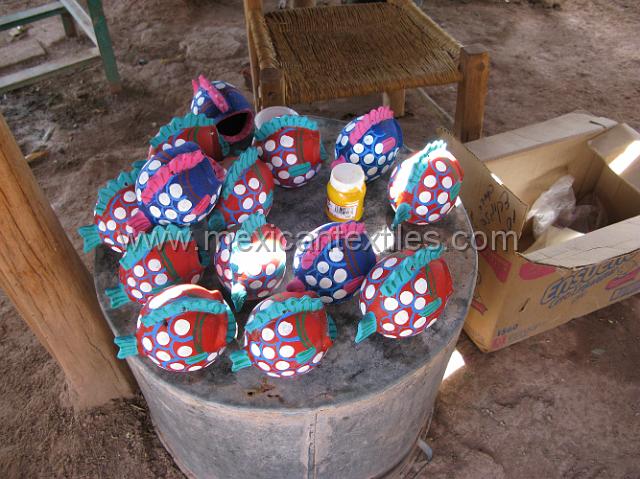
pixel 342 51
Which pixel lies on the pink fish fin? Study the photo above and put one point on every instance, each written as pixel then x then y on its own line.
pixel 295 286
pixel 354 284
pixel 139 222
pixel 218 170
pixel 372 118
pixel 338 161
pixel 176 166
pixel 216 97
pixel 202 205
pixel 388 144
pixel 307 259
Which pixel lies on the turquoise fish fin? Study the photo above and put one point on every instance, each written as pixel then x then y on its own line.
pixel 299 169
pixel 128 346
pixel 305 356
pixel 216 221
pixel 196 359
pixel 455 191
pixel 402 214
pixel 90 236
pixel 431 307
pixel 238 296
pixel 239 360
pixel 117 296
pixel 366 327
pixel 331 328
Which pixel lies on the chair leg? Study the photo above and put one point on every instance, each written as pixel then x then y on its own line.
pixel 271 88
pixel 395 100
pixel 255 71
pixel 472 90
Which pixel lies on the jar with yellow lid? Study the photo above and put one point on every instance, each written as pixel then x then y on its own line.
pixel 345 193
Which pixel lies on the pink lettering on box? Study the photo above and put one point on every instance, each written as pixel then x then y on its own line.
pixel 616 282
pixel 531 271
pixel 498 264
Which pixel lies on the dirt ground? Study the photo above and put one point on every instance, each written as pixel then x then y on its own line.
pixel 562 404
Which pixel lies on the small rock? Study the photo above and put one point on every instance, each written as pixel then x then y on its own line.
pixel 18 31
pixel 48 133
pixel 549 3
pixel 199 48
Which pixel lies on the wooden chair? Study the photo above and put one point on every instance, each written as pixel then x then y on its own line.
pixel 303 55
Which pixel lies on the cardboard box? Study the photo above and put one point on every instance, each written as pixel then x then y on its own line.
pixel 519 294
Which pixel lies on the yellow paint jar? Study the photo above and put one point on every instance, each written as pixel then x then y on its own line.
pixel 345 193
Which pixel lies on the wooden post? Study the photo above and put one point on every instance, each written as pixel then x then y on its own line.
pixel 68 25
pixel 395 100
pixel 104 44
pixel 271 88
pixel 255 71
pixel 51 288
pixel 253 57
pixel 472 90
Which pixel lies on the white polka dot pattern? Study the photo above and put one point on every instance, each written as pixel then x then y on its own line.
pixel 438 188
pixel 375 151
pixel 293 155
pixel 414 305
pixel 179 343
pixel 289 345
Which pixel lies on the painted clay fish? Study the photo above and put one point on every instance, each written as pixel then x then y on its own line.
pixel 333 261
pixel 114 209
pixel 424 188
pixel 371 141
pixel 247 189
pixel 184 328
pixel 251 260
pixel 286 335
pixel 197 129
pixel 228 108
pixel 180 186
pixel 154 261
pixel 292 149
pixel 404 293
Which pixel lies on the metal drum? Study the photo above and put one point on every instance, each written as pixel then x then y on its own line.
pixel 357 415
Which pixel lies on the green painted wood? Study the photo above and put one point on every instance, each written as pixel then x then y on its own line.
pixel 39 72
pixel 81 17
pixel 94 26
pixel 31 15
pixel 104 44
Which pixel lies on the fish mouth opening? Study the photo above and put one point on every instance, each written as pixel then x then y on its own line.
pixel 237 126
